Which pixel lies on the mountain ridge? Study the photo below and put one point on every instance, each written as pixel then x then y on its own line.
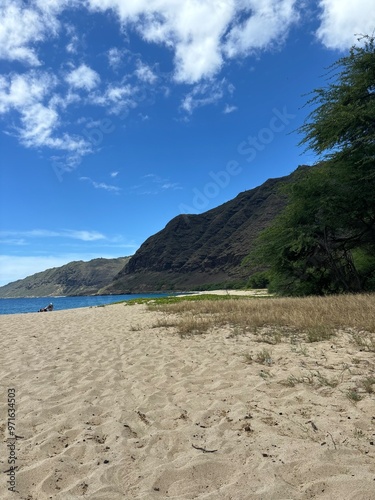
pixel 74 278
pixel 204 250
pixel 193 251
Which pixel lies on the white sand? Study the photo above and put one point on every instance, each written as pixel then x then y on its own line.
pixel 110 407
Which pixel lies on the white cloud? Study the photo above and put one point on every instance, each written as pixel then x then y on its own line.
pixel 116 97
pixel 153 184
pixel 72 46
pixel 39 127
pixel 114 174
pixel 30 95
pixel 20 91
pixel 102 185
pixel 171 185
pixel 191 29
pixel 203 94
pixel 24 27
pixel 83 77
pixel 341 20
pixel 13 242
pixel 82 235
pixel 202 37
pixel 20 29
pixel 38 123
pixel 145 73
pixel 267 25
pixel 114 57
pixel 229 109
pixel 197 32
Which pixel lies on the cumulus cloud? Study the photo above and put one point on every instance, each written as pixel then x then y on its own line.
pixel 38 122
pixel 202 34
pixel 20 29
pixel 341 20
pixel 24 27
pixel 178 25
pixel 28 94
pixel 19 91
pixel 117 97
pixel 145 73
pixel 83 77
pixel 268 23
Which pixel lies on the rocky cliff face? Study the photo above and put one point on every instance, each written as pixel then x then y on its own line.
pixel 194 251
pixel 75 278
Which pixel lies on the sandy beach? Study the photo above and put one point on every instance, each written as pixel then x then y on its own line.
pixel 110 406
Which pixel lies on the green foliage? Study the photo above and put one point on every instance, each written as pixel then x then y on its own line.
pixel 324 241
pixel 258 280
pixel 224 285
pixel 173 299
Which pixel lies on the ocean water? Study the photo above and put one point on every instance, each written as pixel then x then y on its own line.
pixel 28 305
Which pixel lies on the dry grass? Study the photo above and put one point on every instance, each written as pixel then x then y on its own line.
pixel 364 340
pixel 312 318
pixel 313 379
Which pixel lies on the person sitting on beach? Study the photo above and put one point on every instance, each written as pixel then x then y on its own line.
pixel 46 309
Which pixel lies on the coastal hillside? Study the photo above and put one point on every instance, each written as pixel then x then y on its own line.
pixel 193 251
pixel 75 278
pixel 204 250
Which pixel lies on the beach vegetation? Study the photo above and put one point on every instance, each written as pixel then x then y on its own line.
pixel 364 340
pixel 323 242
pixel 311 319
pixel 263 357
pixel 176 299
pixel 353 395
pixel 368 384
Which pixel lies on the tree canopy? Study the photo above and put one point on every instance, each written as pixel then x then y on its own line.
pixel 324 241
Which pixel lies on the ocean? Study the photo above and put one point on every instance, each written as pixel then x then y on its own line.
pixel 29 305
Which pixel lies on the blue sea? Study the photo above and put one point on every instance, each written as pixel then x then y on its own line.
pixel 16 306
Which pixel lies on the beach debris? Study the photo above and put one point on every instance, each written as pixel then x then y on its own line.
pixel 203 449
pixel 333 441
pixel 143 417
pixel 315 429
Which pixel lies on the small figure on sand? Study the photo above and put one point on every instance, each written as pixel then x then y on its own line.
pixel 47 308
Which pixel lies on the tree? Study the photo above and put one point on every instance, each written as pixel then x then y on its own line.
pixel 324 241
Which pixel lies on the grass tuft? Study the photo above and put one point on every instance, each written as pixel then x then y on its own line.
pixel 353 395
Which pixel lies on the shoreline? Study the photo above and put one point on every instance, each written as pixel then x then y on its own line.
pixel 134 295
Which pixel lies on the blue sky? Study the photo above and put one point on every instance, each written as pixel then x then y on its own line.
pixel 118 115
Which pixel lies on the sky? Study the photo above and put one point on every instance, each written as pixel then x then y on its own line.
pixel 118 115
